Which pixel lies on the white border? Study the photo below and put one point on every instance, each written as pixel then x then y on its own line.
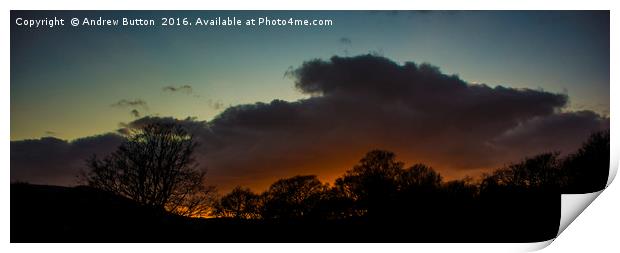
pixel 596 228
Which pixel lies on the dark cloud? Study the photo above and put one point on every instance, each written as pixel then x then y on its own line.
pixel 135 113
pixel 187 89
pixel 127 103
pixel 54 161
pixel 345 41
pixel 553 132
pixel 368 102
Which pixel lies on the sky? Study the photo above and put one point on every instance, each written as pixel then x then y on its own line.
pixel 74 84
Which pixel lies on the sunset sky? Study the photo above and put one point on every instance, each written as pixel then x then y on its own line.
pixel 74 83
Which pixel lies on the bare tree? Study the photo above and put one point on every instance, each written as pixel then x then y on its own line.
pixel 194 201
pixel 154 166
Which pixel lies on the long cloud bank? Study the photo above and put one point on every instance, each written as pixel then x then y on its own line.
pixel 356 104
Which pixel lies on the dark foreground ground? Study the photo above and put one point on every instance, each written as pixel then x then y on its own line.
pixel 61 214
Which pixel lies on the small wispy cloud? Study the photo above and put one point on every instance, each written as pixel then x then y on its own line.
pixel 187 89
pixel 125 103
pixel 345 41
pixel 136 105
pixel 214 104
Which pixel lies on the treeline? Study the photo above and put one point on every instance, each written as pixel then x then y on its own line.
pixel 380 187
pixel 148 189
pixel 154 167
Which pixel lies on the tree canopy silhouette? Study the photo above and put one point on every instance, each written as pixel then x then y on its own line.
pixel 240 203
pixel 373 181
pixel 154 167
pixel 293 198
pixel 584 171
pixel 419 177
pixel 587 170
pixel 541 172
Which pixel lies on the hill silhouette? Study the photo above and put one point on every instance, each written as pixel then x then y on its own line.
pixel 41 213
pixel 61 214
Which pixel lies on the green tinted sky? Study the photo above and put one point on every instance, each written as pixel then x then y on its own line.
pixel 64 80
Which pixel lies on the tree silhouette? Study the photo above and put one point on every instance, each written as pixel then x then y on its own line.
pixel 373 182
pixel 240 203
pixel 541 172
pixel 155 168
pixel 419 177
pixel 336 203
pixel 293 198
pixel 464 190
pixel 419 189
pixel 197 201
pixel 588 169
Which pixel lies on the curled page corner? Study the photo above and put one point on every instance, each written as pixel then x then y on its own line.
pixel 573 205
pixel 531 247
pixel 613 169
